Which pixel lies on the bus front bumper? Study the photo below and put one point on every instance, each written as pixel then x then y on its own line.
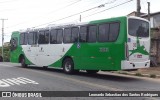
pixel 125 65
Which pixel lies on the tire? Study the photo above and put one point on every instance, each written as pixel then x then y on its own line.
pixel 23 64
pixel 68 66
pixel 45 67
pixel 92 71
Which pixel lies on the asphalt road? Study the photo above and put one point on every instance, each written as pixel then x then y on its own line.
pixel 40 79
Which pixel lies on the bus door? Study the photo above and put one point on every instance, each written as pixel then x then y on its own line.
pixel 43 49
pixel 88 47
pixel 32 47
pixel 71 44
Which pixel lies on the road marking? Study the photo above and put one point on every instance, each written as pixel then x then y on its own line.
pixel 16 81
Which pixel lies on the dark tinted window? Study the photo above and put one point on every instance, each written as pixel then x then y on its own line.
pixel 75 31
pixel 14 43
pixel 92 33
pixel 43 37
pixel 103 33
pixel 53 36
pixel 138 28
pixel 114 31
pixel 23 38
pixel 32 38
pixel 83 34
pixel 59 36
pixel 67 35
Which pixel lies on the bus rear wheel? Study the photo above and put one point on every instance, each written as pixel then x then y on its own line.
pixel 23 64
pixel 68 66
pixel 92 71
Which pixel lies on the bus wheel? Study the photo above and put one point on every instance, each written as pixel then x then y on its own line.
pixel 92 71
pixel 45 67
pixel 68 66
pixel 23 62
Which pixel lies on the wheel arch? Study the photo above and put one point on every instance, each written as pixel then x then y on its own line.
pixel 20 57
pixel 66 58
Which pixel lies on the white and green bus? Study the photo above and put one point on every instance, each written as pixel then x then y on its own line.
pixel 121 43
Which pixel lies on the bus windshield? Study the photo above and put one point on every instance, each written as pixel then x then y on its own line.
pixel 138 28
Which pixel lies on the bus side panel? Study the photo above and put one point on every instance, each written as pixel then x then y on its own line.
pixel 99 56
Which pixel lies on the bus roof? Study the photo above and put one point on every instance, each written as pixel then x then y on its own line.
pixel 56 26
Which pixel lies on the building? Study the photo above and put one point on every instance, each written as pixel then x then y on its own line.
pixel 155 35
pixel 154 19
pixel 134 13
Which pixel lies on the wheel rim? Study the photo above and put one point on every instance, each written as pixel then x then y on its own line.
pixel 68 66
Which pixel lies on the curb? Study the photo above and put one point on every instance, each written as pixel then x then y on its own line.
pixel 135 74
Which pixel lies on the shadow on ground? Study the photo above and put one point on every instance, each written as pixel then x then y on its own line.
pixel 104 76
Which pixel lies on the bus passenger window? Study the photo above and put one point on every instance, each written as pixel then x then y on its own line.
pixel 75 31
pixel 67 35
pixel 23 39
pixel 32 38
pixel 43 37
pixel 83 34
pixel 103 33
pixel 53 36
pixel 59 36
pixel 92 33
pixel 46 36
pixel 114 31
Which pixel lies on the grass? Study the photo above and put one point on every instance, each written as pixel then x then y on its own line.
pixel 121 72
pixel 138 74
pixel 152 76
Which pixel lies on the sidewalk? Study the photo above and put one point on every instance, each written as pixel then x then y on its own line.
pixel 152 72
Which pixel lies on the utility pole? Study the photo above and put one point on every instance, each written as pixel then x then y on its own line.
pixel 3 36
pixel 148 11
pixel 138 8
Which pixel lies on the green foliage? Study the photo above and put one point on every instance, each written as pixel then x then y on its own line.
pixel 6 51
pixel 152 76
pixel 138 74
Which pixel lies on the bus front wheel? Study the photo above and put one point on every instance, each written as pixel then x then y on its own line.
pixel 23 64
pixel 68 66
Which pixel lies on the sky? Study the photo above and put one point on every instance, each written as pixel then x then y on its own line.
pixel 23 14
